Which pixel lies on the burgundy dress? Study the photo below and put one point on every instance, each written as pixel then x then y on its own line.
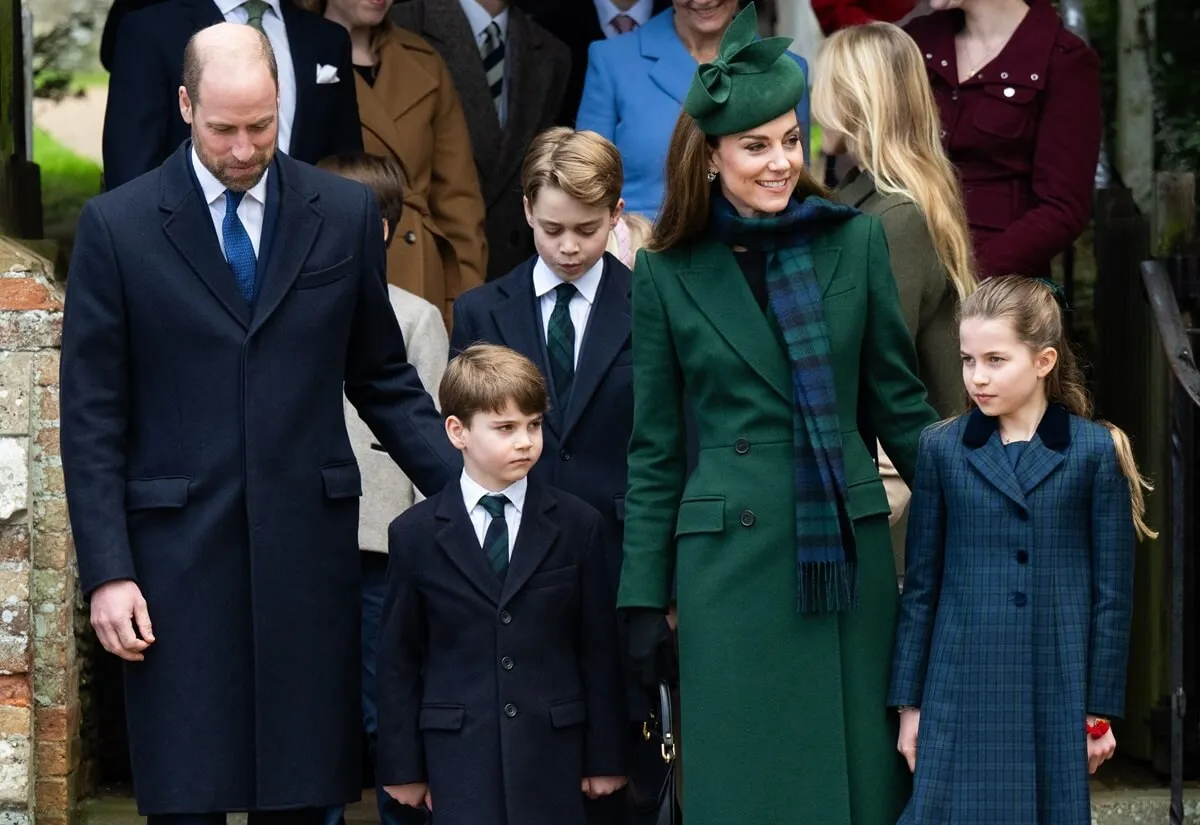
pixel 1024 134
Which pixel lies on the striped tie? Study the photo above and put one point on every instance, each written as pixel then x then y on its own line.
pixel 255 9
pixel 495 539
pixel 560 342
pixel 492 52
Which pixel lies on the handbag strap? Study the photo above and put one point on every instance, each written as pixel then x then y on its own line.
pixel 661 724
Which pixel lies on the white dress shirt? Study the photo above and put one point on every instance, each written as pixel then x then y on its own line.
pixel 276 32
pixel 588 284
pixel 606 10
pixel 251 210
pixel 479 18
pixel 515 493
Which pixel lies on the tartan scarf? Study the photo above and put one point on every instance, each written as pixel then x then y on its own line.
pixel 826 561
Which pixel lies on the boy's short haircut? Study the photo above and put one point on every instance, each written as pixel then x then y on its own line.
pixel 383 176
pixel 485 377
pixel 582 164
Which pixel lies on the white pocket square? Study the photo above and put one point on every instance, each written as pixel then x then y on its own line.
pixel 327 74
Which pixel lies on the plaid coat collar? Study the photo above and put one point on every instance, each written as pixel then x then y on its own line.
pixel 1045 454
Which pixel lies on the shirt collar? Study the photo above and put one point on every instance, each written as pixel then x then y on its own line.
pixel 472 492
pixel 640 11
pixel 479 19
pixel 213 188
pixel 545 280
pixel 226 6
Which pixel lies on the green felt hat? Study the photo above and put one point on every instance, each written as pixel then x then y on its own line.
pixel 750 83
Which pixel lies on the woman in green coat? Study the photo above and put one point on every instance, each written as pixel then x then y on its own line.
pixel 772 314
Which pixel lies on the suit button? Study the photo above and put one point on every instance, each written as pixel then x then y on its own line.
pixel 510 710
pixel 741 446
pixel 748 518
pixel 1019 599
pixel 505 617
pixel 410 237
pixel 565 455
pixel 1022 557
pixel 506 663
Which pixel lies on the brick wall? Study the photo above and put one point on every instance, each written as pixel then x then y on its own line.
pixel 39 684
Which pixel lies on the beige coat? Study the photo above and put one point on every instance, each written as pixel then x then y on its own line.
pixel 413 115
pixel 387 492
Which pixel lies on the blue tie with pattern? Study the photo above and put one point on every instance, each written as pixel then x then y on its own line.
pixel 495 538
pixel 239 251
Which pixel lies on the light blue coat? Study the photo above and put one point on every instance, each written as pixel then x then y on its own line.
pixel 633 94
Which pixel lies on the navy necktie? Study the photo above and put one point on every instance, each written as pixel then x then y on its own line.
pixel 560 341
pixel 495 539
pixel 239 251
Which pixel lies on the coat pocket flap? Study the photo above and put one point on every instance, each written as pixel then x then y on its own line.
pixel 342 481
pixel 321 277
pixel 151 493
pixel 867 498
pixel 441 717
pixel 568 713
pixel 700 515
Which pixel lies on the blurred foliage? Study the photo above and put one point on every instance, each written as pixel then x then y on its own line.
pixel 58 52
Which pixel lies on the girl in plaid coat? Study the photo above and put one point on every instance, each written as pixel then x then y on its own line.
pixel 1014 630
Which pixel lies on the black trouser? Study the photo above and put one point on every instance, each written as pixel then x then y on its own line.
pixel 299 816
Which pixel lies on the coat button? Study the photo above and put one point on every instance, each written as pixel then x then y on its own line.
pixel 565 455
pixel 741 446
pixel 1009 91
pixel 505 617
pixel 747 518
pixel 1019 599
pixel 410 237
pixel 510 710
pixel 1022 557
pixel 506 663
pixel 954 95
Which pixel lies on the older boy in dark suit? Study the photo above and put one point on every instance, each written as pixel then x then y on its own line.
pixel 500 692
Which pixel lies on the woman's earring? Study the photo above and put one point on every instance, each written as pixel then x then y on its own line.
pixel 712 175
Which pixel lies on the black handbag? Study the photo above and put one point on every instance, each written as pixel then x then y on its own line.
pixel 660 727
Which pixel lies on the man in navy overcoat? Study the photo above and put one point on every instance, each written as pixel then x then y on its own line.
pixel 217 306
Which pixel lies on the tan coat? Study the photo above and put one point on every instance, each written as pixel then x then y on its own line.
pixel 413 115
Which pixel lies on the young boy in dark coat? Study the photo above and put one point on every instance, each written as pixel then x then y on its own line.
pixel 500 691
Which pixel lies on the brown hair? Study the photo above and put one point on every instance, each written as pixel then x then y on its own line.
pixel 485 377
pixel 377 32
pixel 195 57
pixel 582 164
pixel 1031 306
pixel 683 216
pixel 383 176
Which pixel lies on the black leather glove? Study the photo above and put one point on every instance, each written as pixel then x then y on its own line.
pixel 651 647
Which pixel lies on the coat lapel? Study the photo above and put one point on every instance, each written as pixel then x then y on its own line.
pixel 674 66
pixel 457 538
pixel 527 86
pixel 607 332
pixel 401 84
pixel 299 218
pixel 996 468
pixel 189 228
pixel 726 301
pixel 534 539
pixel 302 44
pixel 1047 451
pixel 1044 454
pixel 520 325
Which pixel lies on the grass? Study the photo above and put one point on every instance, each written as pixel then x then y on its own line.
pixel 68 180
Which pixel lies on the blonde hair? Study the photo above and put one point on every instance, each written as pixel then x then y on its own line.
pixel 872 87
pixel 683 216
pixel 1032 307
pixel 630 234
pixel 485 377
pixel 582 164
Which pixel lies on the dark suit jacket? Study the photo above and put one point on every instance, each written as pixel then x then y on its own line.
pixel 1024 134
pixel 206 457
pixel 142 124
pixel 537 68
pixel 584 439
pixel 502 696
pixel 576 24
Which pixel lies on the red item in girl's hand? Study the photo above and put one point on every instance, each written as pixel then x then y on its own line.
pixel 1099 729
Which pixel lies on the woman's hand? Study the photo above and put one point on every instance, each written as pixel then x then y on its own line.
pixel 1099 750
pixel 910 720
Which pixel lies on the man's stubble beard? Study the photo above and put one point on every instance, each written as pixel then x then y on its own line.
pixel 219 171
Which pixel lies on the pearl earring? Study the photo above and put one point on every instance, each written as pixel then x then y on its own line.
pixel 712 175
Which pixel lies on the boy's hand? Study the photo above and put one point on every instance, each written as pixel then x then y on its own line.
pixel 414 794
pixel 598 786
pixel 1099 750
pixel 910 720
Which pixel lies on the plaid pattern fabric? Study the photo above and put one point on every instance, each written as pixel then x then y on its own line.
pixel 1015 619
pixel 560 342
pixel 495 538
pixel 825 559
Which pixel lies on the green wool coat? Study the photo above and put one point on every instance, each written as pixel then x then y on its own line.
pixel 784 717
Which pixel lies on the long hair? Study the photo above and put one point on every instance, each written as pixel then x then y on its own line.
pixel 378 33
pixel 1031 307
pixel 684 213
pixel 871 86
